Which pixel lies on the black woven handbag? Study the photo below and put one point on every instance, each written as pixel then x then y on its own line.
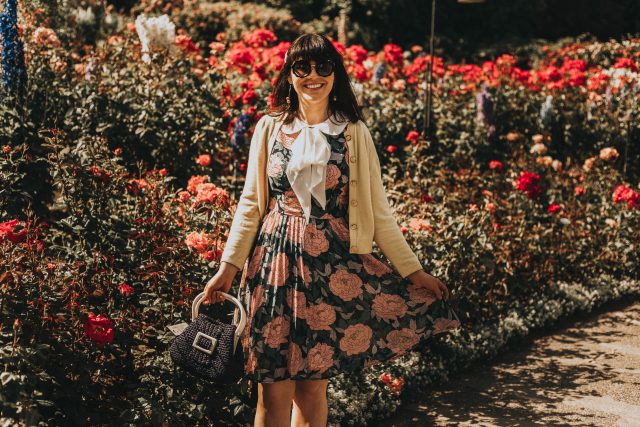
pixel 209 348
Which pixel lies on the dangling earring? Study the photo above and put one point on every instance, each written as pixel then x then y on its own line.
pixel 335 98
pixel 289 97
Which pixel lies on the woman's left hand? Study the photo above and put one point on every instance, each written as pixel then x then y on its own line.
pixel 423 279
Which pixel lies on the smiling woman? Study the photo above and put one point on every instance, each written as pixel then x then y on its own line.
pixel 320 302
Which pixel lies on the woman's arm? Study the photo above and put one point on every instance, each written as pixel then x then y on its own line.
pixel 387 233
pixel 246 219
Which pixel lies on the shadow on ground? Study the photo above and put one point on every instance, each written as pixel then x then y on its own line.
pixel 586 371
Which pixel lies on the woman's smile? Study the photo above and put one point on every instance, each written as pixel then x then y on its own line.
pixel 314 86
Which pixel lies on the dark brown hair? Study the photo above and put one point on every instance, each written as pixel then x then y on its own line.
pixel 315 46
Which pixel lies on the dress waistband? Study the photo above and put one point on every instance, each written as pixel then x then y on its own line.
pixel 289 205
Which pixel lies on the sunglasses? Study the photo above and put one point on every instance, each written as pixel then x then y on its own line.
pixel 302 67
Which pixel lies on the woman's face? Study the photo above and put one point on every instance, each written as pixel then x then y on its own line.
pixel 308 95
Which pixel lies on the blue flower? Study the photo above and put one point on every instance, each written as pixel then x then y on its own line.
pixel 14 75
pixel 378 73
pixel 484 108
pixel 238 140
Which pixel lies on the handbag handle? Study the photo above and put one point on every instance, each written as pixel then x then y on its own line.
pixel 195 307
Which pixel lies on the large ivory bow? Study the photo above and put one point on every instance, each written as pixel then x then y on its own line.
pixel 307 167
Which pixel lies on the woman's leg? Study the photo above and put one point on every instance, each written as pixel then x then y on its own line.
pixel 310 404
pixel 274 404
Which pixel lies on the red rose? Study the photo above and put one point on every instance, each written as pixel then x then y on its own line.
pixel 126 289
pixel 622 193
pixel 98 329
pixel 412 136
pixel 184 196
pixel 528 183
pixel 553 208
pixel 391 148
pixel 385 378
pixel 495 164
pixel 249 97
pixel 8 231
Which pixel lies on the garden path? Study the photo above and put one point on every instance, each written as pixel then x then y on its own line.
pixel 586 371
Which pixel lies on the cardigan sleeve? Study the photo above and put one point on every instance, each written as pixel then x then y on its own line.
pixel 246 219
pixel 387 233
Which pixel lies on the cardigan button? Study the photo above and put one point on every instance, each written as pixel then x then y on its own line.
pixel 353 248
pixel 353 182
pixel 354 203
pixel 348 137
pixel 354 226
pixel 353 159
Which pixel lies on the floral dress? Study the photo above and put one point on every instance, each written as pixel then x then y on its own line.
pixel 314 309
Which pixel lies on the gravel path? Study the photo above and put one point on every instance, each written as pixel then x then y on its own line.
pixel 586 372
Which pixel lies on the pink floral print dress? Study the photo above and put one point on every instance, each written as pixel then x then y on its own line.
pixel 315 310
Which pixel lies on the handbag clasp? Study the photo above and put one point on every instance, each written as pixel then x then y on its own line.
pixel 206 350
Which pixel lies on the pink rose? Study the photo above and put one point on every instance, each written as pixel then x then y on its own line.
pixel 332 176
pixel 420 295
pixel 203 160
pixel 374 266
pixel 275 165
pixel 297 302
pixel 279 270
pixel 257 298
pixel 401 340
pixel 389 307
pixel 276 332
pixel 356 339
pixel 255 262
pixel 320 357
pixel 442 324
pixel 315 243
pixel 295 362
pixel 343 197
pixel 345 285
pixel 269 224
pixel 339 227
pixel 210 193
pixel 196 180
pixel 303 271
pixel 320 316
pixel 198 241
pixel 291 203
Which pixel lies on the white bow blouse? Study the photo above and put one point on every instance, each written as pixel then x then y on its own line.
pixel 310 152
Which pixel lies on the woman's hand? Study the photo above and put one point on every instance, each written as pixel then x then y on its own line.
pixel 423 279
pixel 221 281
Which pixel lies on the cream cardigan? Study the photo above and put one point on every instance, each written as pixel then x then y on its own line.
pixel 370 215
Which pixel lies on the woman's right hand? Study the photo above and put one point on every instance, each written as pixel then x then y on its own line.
pixel 220 282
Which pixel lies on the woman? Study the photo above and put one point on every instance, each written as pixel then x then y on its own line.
pixel 320 302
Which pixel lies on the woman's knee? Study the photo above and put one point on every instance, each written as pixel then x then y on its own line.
pixel 310 390
pixel 277 394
